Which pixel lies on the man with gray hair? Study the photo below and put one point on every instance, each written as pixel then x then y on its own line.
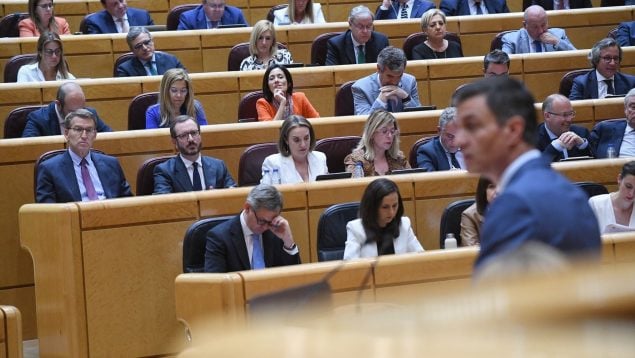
pixel 359 44
pixel 605 78
pixel 389 88
pixel 146 61
pixel 255 239
pixel 619 135
pixel 496 63
pixel 442 152
pixel 558 138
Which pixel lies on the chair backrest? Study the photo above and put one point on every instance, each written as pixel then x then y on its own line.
pixel 12 66
pixel 270 16
pixel 497 41
pixel 121 59
pixel 591 188
pixel 194 243
pixel 137 109
pixel 336 149
pixel 412 156
pixel 344 105
pixel 44 157
pixel 172 22
pixel 16 121
pixel 9 24
pixel 247 107
pixel 239 52
pixel 331 230
pixel 451 220
pixel 145 174
pixel 419 37
pixel 250 163
pixel 319 48
pixel 566 83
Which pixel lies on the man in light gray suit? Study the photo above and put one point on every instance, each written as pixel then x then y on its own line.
pixel 536 36
pixel 389 88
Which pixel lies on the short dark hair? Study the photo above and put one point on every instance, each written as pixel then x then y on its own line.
pixel 180 119
pixel 481 194
pixel 392 57
pixel 628 169
pixel 293 121
pixel 496 56
pixel 265 196
pixel 505 97
pixel 81 113
pixel 369 206
pixel 265 81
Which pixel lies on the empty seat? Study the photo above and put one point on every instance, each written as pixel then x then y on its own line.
pixel 336 149
pixel 137 109
pixel 344 104
pixel 9 24
pixel 250 163
pixel 331 231
pixel 247 107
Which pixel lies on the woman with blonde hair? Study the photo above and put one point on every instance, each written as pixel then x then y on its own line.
pixel 263 48
pixel 42 19
pixel 49 64
pixel 176 97
pixel 378 150
pixel 435 46
pixel 304 12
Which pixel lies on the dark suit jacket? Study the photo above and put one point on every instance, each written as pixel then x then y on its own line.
pixel 432 157
pixel 548 4
pixel 626 34
pixel 586 86
pixel 44 122
pixel 462 7
pixel 607 133
pixel 539 204
pixel 226 251
pixel 554 155
pixel 340 48
pixel 171 176
pixel 134 67
pixel 195 18
pixel 101 22
pixel 418 8
pixel 57 183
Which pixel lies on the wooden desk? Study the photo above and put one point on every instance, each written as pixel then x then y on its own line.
pixel 10 332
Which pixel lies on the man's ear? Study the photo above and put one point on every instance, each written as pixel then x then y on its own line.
pixel 515 129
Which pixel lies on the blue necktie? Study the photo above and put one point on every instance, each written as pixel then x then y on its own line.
pixel 196 178
pixel 537 46
pixel 257 255
pixel 479 11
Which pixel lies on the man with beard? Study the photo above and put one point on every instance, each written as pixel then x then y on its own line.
pixel 190 171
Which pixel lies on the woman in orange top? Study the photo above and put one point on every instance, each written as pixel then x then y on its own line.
pixel 42 19
pixel 280 101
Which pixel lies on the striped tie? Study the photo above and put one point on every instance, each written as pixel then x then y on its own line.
pixel 404 11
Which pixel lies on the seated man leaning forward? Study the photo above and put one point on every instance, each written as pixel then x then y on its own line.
pixel 442 153
pixel 256 238
pixel 389 88
pixel 189 170
pixel 146 61
pixel 535 35
pixel 80 174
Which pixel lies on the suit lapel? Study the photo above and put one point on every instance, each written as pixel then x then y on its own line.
pixel 53 121
pixel 103 172
pixel 443 159
pixel 69 173
pixel 523 41
pixel 348 48
pixel 209 177
pixel 140 70
pixel 269 248
pixel 593 84
pixel 238 240
pixel 181 175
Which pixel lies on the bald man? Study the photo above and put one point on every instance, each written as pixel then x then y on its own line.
pixel 536 36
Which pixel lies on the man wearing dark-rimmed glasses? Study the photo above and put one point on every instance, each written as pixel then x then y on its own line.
pixel 146 61
pixel 558 138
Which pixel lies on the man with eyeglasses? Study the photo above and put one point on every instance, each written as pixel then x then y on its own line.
pixel 146 61
pixel 189 170
pixel 210 14
pixel 80 174
pixel 442 152
pixel 49 120
pixel 359 44
pixel 605 78
pixel 536 36
pixel 618 134
pixel 557 137
pixel 257 238
pixel 116 17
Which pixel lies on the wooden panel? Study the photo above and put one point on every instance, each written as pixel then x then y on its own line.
pixel 10 332
pixel 23 298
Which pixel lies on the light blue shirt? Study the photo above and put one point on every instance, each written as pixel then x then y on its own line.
pixel 93 176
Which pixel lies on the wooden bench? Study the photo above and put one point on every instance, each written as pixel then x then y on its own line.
pixel 10 332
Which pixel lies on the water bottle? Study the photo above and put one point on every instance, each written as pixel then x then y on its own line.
pixel 266 179
pixel 275 176
pixel 450 241
pixel 359 170
pixel 610 152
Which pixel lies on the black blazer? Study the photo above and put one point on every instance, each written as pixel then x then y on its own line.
pixel 226 251
pixel 340 48
pixel 554 155
pixel 44 122
pixel 134 67
pixel 432 157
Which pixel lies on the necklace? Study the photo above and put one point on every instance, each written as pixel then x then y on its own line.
pixel 435 54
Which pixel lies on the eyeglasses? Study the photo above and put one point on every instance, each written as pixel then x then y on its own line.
pixel 174 90
pixel 195 134
pixel 215 6
pixel 608 59
pixel 46 6
pixel 564 114
pixel 80 130
pixel 385 130
pixel 361 27
pixel 141 44
pixel 49 52
pixel 260 221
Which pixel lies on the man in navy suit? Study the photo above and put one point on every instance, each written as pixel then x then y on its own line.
pixel 557 137
pixel 209 15
pixel 359 44
pixel 256 238
pixel 80 174
pixel 617 134
pixel 497 131
pixel 535 36
pixel 471 7
pixel 146 61
pixel 116 17
pixel 49 120
pixel 626 34
pixel 442 153
pixel 605 78
pixel 402 9
pixel 180 174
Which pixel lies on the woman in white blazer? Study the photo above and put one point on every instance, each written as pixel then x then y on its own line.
pixel 304 12
pixel 381 229
pixel 296 161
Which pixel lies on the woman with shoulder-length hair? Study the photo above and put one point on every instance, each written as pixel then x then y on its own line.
pixel 49 64
pixel 435 46
pixel 280 101
pixel 263 48
pixel 299 12
pixel 381 229
pixel 176 97
pixel 42 19
pixel 296 161
pixel 616 208
pixel 472 217
pixel 378 150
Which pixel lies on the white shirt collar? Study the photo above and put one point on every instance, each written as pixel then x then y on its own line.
pixel 188 163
